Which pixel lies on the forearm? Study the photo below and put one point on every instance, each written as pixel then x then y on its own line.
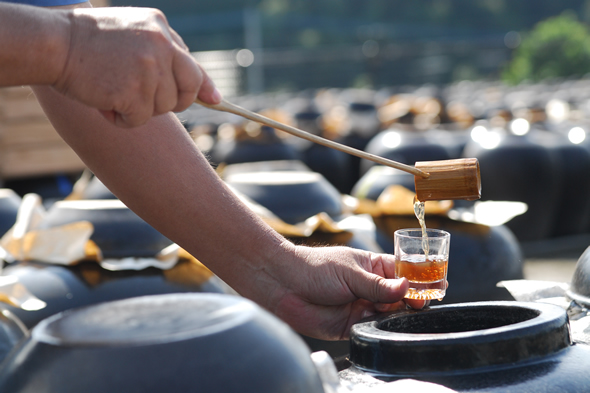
pixel 35 54
pixel 157 171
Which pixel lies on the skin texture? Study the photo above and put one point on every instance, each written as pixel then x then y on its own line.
pixel 87 54
pixel 158 172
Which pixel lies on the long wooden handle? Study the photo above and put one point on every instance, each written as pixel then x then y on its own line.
pixel 226 106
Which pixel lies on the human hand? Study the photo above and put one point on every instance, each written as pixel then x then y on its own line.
pixel 328 289
pixel 131 65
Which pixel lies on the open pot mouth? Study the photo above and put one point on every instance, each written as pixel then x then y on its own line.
pixel 458 321
pixel 457 337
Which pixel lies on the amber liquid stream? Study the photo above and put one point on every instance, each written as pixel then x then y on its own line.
pixel 419 212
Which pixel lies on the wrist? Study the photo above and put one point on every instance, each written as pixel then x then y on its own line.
pixel 264 281
pixel 36 53
pixel 62 41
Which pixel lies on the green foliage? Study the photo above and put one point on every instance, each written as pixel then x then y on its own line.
pixel 556 47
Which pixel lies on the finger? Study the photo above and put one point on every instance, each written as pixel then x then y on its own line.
pixel 377 289
pixel 166 95
pixel 138 111
pixel 388 262
pixel 132 120
pixel 109 115
pixel 188 77
pixel 177 39
pixel 387 307
pixel 208 92
pixel 417 304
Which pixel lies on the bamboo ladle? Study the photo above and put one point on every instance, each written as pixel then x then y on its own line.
pixel 433 180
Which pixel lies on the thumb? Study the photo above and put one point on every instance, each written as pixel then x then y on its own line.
pixel 378 289
pixel 208 92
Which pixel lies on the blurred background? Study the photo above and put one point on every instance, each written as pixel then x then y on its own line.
pixel 293 45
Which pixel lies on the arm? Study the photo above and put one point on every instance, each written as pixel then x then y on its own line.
pixel 159 173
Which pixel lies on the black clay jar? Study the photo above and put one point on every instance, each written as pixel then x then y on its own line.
pixel 475 347
pixel 480 256
pixel 168 343
pixel 517 168
pixel 406 147
pixel 267 148
pixel 12 331
pixel 293 196
pixel 66 287
pixel 329 162
pixel 378 178
pixel 95 189
pixel 118 231
pixel 9 204
pixel 579 289
pixel 572 207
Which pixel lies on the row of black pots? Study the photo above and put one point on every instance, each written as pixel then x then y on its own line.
pixel 542 169
pixel 119 233
pixel 100 331
pixel 95 337
pixel 213 342
pixel 481 255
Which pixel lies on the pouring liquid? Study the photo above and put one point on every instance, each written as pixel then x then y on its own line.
pixel 419 212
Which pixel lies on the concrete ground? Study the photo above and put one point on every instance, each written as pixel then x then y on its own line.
pixel 554 259
pixel 561 270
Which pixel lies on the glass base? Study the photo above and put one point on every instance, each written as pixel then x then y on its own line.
pixel 426 290
pixel 425 294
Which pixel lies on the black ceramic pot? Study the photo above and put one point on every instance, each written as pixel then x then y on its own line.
pixel 168 343
pixel 118 231
pixel 452 140
pixel 292 196
pixel 265 166
pixel 363 125
pixel 330 163
pixel 66 287
pixel 378 178
pixel 579 289
pixel 517 168
pixel 12 331
pixel 480 256
pixel 474 347
pixel 268 148
pixel 9 204
pixel 95 189
pixel 572 207
pixel 406 147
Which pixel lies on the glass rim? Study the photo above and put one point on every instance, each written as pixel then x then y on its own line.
pixel 437 233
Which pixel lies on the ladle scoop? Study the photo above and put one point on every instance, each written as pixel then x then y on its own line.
pixel 434 180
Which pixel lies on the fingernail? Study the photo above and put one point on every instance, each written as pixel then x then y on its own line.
pixel 367 314
pixel 216 96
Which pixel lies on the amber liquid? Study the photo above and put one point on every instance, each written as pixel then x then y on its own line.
pixel 419 212
pixel 426 275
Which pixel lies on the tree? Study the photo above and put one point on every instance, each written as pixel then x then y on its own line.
pixel 556 47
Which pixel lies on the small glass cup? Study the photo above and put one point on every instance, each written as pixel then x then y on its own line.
pixel 426 271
